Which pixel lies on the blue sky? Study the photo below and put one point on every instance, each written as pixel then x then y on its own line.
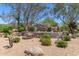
pixel 4 8
pixel 1 10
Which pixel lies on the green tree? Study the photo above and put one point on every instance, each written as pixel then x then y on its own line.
pixel 68 14
pixel 49 21
pixel 27 14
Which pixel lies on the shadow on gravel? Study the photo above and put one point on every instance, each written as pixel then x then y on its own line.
pixel 6 47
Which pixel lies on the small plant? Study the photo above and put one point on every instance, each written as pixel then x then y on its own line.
pixel 31 28
pixel 66 38
pixel 61 43
pixel 21 28
pixel 6 30
pixel 16 40
pixel 45 40
pixel 49 29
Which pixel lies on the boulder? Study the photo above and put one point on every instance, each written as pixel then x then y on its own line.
pixel 15 30
pixel 34 51
pixel 15 33
pixel 23 37
pixel 26 37
pixel 41 27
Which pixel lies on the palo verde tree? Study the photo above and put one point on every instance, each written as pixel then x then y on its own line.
pixel 49 21
pixel 26 13
pixel 13 14
pixel 33 13
pixel 68 14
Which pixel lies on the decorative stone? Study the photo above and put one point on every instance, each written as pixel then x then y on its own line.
pixel 34 51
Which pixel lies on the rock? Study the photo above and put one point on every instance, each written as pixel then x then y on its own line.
pixel 30 34
pixel 23 33
pixel 41 27
pixel 15 33
pixel 15 30
pixel 26 37
pixel 23 37
pixel 34 51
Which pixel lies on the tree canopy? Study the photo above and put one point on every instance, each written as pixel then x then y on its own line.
pixel 49 21
pixel 30 13
pixel 68 14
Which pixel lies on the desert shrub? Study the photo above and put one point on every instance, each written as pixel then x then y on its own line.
pixel 63 27
pixel 21 28
pixel 16 40
pixel 10 27
pixel 6 29
pixel 77 29
pixel 50 21
pixel 66 33
pixel 61 43
pixel 49 29
pixel 45 40
pixel 31 28
pixel 66 38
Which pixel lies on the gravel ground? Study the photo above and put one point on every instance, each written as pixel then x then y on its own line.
pixel 18 48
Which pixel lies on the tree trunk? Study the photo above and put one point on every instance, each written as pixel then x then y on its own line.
pixel 72 32
pixel 18 24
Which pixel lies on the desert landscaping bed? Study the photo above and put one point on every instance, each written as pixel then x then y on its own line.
pixel 18 48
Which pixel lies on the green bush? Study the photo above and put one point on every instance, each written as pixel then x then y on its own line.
pixel 49 29
pixel 45 40
pixel 61 43
pixel 6 29
pixel 16 40
pixel 77 29
pixel 21 27
pixel 50 21
pixel 66 38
